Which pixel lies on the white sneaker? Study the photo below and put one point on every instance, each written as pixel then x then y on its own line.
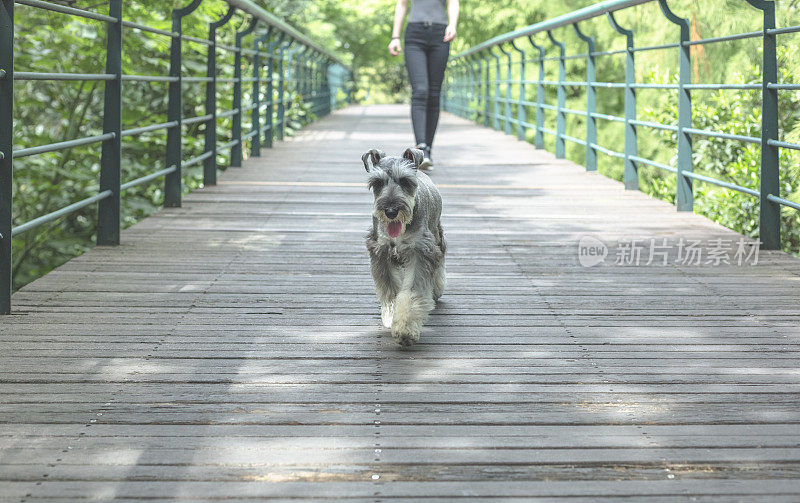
pixel 426 164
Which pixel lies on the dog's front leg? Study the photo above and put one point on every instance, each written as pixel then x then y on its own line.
pixel 387 282
pixel 413 302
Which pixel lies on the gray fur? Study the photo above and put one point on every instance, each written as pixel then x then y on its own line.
pixel 409 269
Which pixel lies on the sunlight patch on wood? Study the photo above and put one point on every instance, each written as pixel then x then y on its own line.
pixel 352 184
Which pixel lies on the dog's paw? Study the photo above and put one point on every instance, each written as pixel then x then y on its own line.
pixel 439 281
pixel 410 312
pixel 406 332
pixel 387 312
pixel 405 338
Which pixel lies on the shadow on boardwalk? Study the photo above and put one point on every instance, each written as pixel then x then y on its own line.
pixel 232 348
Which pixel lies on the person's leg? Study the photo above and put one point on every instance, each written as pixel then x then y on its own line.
pixel 437 62
pixel 417 66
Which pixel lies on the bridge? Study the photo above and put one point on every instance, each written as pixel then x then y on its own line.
pixel 593 343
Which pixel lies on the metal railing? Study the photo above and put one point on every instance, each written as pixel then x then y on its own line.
pixel 317 75
pixel 473 90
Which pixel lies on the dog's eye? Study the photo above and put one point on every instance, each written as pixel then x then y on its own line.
pixel 407 185
pixel 376 185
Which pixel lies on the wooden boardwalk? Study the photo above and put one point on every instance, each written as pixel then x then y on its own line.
pixel 232 348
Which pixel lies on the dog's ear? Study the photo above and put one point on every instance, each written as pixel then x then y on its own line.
pixel 414 155
pixel 374 156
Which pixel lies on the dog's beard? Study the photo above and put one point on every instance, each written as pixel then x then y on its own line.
pixel 395 226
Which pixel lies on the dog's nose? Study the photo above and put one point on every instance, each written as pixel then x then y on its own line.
pixel 391 213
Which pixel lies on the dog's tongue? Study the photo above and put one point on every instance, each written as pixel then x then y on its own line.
pixel 394 228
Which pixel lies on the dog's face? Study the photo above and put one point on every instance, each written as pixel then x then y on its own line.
pixel 393 181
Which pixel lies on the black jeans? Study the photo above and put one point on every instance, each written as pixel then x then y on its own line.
pixel 426 59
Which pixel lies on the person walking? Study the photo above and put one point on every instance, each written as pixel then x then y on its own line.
pixel 430 29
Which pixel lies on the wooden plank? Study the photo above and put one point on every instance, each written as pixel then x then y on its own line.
pixel 430 489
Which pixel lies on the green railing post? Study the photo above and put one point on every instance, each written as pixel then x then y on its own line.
pixel 318 82
pixel 308 79
pixel 507 101
pixel 322 64
pixel 486 91
pixel 298 71
pixel 477 64
pixel 472 96
pixel 325 85
pixel 451 76
pixel 631 175
pixel 496 96
pixel 351 80
pixel 108 209
pixel 210 143
pixel 349 84
pixel 173 181
pixel 309 76
pixel 463 77
pixel 470 90
pixel 238 147
pixel 684 193
pixel 270 126
pixel 345 85
pixel 447 87
pixel 521 95
pixel 466 88
pixel 322 84
pixel 770 214
pixel 590 159
pixel 335 83
pixel 312 81
pixel 454 88
pixel 6 135
pixel 281 91
pixel 331 87
pixel 306 75
pixel 538 139
pixel 561 116
pixel 477 83
pixel 292 77
pixel 255 113
pixel 316 64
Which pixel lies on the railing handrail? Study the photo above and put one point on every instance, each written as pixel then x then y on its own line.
pixel 270 19
pixel 573 17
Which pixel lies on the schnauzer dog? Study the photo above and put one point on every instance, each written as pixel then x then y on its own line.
pixel 406 243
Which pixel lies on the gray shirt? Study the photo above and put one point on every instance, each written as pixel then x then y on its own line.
pixel 428 11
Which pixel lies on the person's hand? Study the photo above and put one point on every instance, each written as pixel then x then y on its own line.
pixel 449 33
pixel 394 47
